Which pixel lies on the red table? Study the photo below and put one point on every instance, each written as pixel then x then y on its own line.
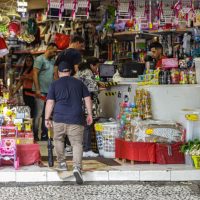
pixel 137 151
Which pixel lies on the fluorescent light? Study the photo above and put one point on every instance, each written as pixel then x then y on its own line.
pixel 21 10
pixel 22 3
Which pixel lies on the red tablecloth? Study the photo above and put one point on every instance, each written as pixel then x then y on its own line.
pixel 137 151
pixel 169 154
pixel 28 154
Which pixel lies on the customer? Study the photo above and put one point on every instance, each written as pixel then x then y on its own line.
pixel 42 77
pixel 86 73
pixel 157 53
pixel 64 100
pixel 71 55
pixel 26 80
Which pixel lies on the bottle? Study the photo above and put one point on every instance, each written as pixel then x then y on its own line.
pixel 168 75
pixel 161 77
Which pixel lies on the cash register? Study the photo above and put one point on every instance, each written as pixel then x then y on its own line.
pixel 106 71
pixel 131 69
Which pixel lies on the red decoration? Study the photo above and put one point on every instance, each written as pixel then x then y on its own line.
pixel 62 41
pixel 3 47
pixel 14 27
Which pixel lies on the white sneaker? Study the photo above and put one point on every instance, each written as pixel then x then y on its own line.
pixel 68 150
pixel 90 154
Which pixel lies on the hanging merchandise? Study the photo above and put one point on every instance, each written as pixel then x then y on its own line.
pixel 55 4
pixel 4 21
pixel 74 10
pixel 142 15
pixel 13 15
pixel 197 18
pixel 14 28
pixel 187 43
pixel 3 47
pixel 143 104
pixel 32 26
pixel 62 41
pixel 123 10
pixel 83 5
pixel 177 7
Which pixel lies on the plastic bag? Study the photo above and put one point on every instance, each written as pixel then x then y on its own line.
pixel 62 41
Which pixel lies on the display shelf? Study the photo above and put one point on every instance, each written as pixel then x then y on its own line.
pixel 128 35
pixel 162 31
pixel 172 85
pixel 28 52
pixel 31 52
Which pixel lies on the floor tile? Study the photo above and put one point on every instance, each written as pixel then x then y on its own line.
pixel 124 176
pixel 31 176
pixel 155 175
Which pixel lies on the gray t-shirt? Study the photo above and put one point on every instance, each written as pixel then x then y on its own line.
pixel 46 70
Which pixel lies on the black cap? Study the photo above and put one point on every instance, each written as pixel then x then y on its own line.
pixel 64 67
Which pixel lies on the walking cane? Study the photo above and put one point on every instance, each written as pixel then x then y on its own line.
pixel 50 150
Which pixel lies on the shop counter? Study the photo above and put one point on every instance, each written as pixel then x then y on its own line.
pixel 167 100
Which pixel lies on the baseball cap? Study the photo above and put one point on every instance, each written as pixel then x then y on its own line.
pixel 64 67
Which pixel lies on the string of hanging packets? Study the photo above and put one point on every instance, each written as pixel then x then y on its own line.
pixel 70 5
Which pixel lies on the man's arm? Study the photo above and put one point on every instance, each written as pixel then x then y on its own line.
pixel 55 73
pixel 36 82
pixel 48 111
pixel 88 104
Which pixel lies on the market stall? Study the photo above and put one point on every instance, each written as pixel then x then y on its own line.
pixel 143 97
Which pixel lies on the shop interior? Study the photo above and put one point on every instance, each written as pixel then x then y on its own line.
pixel 147 112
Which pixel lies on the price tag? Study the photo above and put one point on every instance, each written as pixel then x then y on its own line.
pixel 192 117
pixel 6 95
pixel 149 131
pixel 19 126
pixel 18 141
pixel 99 127
pixel 28 127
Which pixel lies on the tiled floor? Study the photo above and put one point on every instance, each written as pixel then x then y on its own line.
pixel 125 172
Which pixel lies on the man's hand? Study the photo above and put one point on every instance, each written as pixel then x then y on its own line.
pixel 48 124
pixel 37 94
pixel 89 119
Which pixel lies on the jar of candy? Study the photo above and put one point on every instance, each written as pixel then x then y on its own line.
pixel 184 77
pixel 191 76
pixel 175 76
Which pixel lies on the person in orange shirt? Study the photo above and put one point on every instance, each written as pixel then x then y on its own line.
pixel 26 80
pixel 157 53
